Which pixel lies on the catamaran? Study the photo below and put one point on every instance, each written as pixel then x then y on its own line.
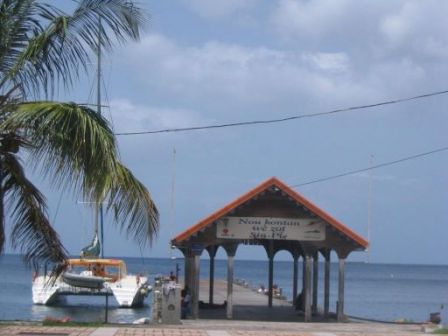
pixel 92 276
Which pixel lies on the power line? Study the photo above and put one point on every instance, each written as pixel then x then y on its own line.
pixel 389 163
pixel 300 116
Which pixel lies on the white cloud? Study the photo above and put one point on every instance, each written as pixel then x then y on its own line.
pixel 128 116
pixel 218 9
pixel 395 28
pixel 307 18
pixel 233 81
pixel 249 79
pixel 417 27
pixel 376 30
pixel 332 62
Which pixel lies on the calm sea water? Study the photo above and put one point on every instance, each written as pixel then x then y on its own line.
pixel 378 291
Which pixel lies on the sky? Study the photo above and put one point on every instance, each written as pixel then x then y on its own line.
pixel 203 62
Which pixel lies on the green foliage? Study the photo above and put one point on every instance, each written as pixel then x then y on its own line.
pixel 74 147
pixel 441 331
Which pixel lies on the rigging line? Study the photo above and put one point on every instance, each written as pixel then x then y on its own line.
pixel 91 91
pixel 384 164
pixel 107 99
pixel 300 116
pixel 107 106
pixel 108 80
pixel 57 208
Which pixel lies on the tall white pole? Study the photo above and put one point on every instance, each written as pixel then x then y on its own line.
pixel 369 207
pixel 173 202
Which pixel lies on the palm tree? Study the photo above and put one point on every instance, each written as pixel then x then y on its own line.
pixel 42 47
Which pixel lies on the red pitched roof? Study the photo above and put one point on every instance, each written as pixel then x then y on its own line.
pixel 273 181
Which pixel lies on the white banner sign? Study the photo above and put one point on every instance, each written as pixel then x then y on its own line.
pixel 270 228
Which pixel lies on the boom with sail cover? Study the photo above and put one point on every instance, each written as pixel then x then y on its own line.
pixel 92 250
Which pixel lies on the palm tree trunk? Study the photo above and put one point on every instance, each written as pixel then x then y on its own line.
pixel 2 210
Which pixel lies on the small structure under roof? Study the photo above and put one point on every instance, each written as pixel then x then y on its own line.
pixel 278 218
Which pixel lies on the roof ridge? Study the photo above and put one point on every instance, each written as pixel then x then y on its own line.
pixel 300 199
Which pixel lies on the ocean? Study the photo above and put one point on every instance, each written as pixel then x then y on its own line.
pixel 375 291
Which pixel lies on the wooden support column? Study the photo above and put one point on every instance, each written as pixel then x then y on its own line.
pixel 315 280
pixel 341 280
pixel 212 253
pixel 187 265
pixel 229 308
pixel 327 284
pixel 186 270
pixel 195 287
pixel 190 279
pixel 271 280
pixel 211 281
pixel 303 275
pixel 231 251
pixel 295 278
pixel 307 287
pixel 270 251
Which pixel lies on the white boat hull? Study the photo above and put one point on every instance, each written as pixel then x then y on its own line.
pixel 126 291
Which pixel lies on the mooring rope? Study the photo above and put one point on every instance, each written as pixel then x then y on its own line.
pixel 382 321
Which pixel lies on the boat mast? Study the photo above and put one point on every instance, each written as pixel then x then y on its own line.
pixel 98 109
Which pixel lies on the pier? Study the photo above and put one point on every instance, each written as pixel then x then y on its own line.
pixel 278 218
pixel 248 305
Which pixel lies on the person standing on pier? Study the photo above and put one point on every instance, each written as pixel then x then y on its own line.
pixel 185 302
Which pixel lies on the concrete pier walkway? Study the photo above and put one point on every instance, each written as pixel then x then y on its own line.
pixel 248 305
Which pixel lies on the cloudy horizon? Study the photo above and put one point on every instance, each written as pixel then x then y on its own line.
pixel 202 62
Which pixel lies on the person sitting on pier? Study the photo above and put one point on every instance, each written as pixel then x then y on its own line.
pixel 299 302
pixel 185 302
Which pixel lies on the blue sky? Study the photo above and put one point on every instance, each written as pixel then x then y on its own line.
pixel 203 62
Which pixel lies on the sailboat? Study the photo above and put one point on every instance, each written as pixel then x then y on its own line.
pixel 92 274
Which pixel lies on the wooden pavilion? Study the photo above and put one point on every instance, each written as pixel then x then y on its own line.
pixel 278 218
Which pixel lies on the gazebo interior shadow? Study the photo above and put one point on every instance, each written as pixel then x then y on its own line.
pixel 246 312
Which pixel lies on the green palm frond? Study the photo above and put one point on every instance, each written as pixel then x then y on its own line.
pixel 15 24
pixel 72 144
pixel 75 148
pixel 10 143
pixel 132 204
pixel 122 17
pixel 44 46
pixel 31 230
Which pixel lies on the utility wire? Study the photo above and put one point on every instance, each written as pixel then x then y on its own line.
pixel 384 164
pixel 300 116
